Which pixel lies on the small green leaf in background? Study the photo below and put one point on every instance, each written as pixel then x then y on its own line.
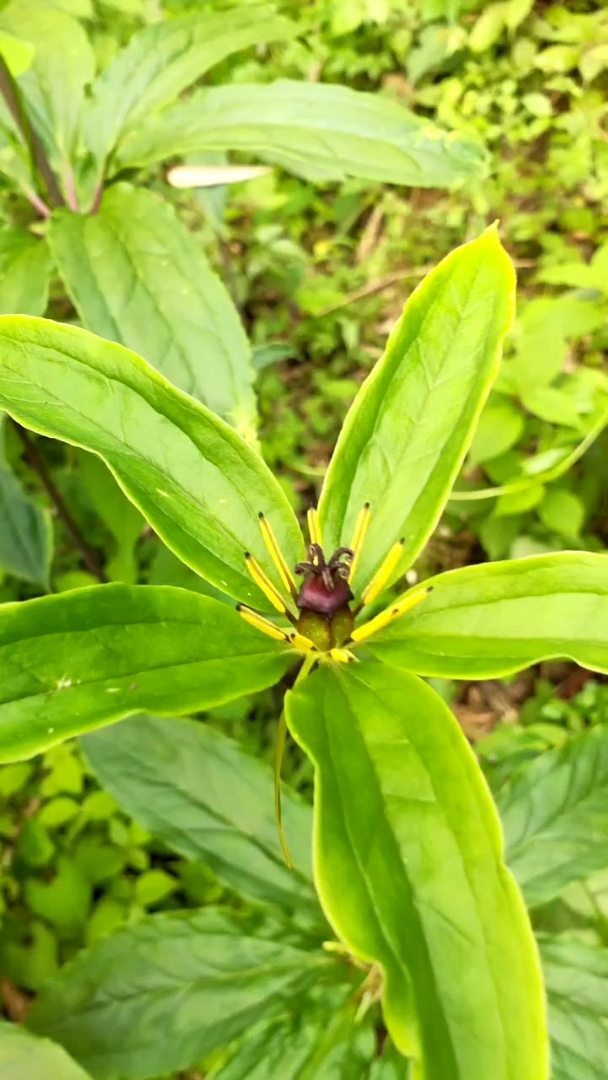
pixel 25 1057
pixel 64 901
pixel 499 428
pixel 562 512
pixel 196 482
pixel 26 533
pixel 72 662
pixel 576 976
pixel 163 59
pixel 137 276
pixel 409 870
pixel 555 817
pixel 488 621
pixel 411 424
pixel 160 996
pixel 551 404
pixel 25 269
pixel 317 131
pixel 207 799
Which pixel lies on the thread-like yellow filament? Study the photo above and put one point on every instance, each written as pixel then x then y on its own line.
pixel 358 538
pixel 406 603
pixel 383 575
pixel 301 642
pixel 277 556
pixel 265 584
pixel 261 623
pixel 314 529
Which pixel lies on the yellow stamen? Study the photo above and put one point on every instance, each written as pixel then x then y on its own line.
pixel 314 529
pixel 261 623
pixel 301 642
pixel 277 556
pixel 358 538
pixel 384 574
pixel 407 602
pixel 264 583
pixel 342 656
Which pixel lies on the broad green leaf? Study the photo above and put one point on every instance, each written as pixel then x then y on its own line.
pixel 197 483
pixel 487 621
pixel 160 996
pixel 55 82
pixel 576 977
pixel 72 662
pixel 207 799
pixel 25 1057
pixel 409 870
pixel 26 533
pixel 499 428
pixel 406 434
pixel 555 816
pixel 317 131
pixel 163 59
pixel 323 1042
pixel 138 277
pixel 25 269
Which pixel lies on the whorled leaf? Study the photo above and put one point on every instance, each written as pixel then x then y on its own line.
pixel 137 276
pixel 555 816
pixel 490 620
pixel 576 977
pixel 406 434
pixel 409 869
pixel 72 662
pixel 198 484
pixel 318 131
pixel 207 799
pixel 164 58
pixel 160 996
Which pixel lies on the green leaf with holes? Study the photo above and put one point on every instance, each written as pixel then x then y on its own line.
pixel 73 662
pixel 410 873
pixel 554 813
pixel 160 996
pixel 26 1057
pixel 197 483
pixel 207 799
pixel 487 621
pixel 137 276
pixel 317 131
pixel 409 428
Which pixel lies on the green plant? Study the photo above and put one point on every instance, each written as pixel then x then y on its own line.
pixel 408 859
pixel 208 800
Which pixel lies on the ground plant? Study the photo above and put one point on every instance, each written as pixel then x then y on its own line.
pixel 303 743
pixel 408 861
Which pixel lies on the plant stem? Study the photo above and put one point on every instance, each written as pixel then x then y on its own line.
pixel 39 161
pixel 38 464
